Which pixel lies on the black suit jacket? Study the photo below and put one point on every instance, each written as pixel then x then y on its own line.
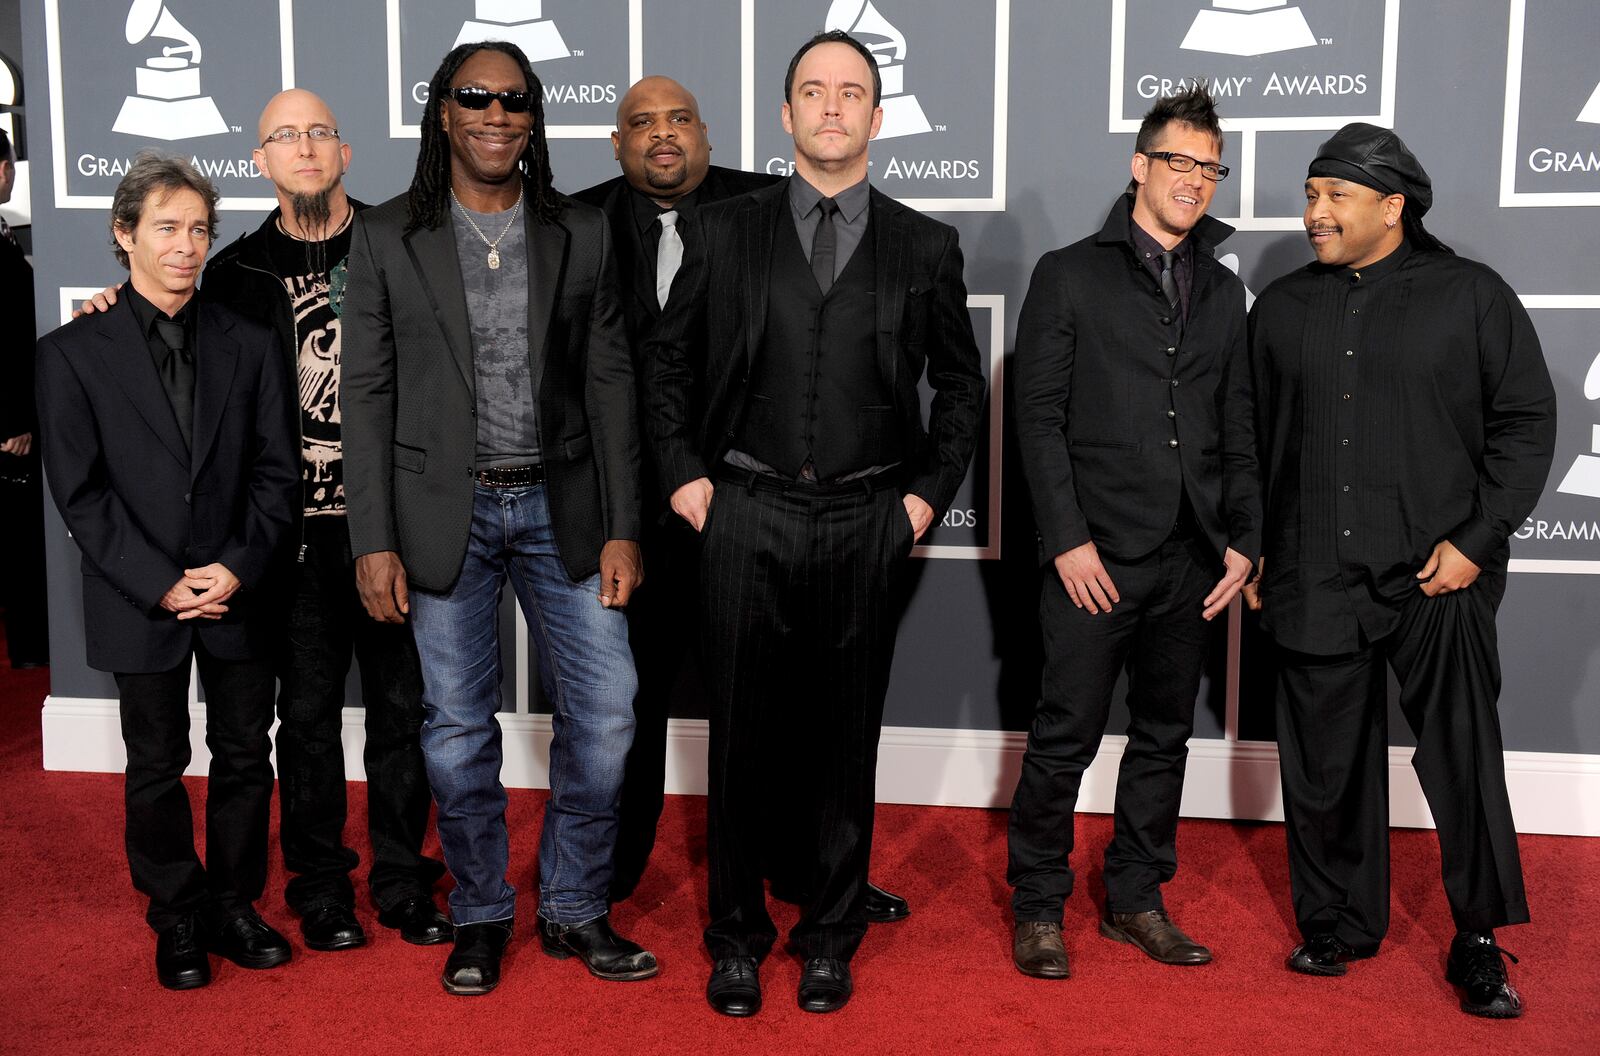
pixel 140 506
pixel 615 198
pixel 1112 414
pixel 717 313
pixel 407 392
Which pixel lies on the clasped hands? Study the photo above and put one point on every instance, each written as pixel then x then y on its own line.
pixel 202 593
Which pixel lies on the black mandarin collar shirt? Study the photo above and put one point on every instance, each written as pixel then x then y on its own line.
pixel 1396 406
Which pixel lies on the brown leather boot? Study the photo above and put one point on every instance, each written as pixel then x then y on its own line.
pixel 1037 950
pixel 1154 933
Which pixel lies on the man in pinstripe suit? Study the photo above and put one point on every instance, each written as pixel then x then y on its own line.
pixel 788 429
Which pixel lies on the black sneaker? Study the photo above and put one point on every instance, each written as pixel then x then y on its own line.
pixel 1476 967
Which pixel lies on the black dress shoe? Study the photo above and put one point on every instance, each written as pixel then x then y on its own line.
pixel 1321 954
pixel 884 907
pixel 825 984
pixel 249 942
pixel 419 921
pixel 1476 967
pixel 332 927
pixel 605 953
pixel 181 961
pixel 734 988
pixel 473 967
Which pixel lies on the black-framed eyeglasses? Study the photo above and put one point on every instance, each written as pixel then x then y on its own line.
pixel 316 133
pixel 513 101
pixel 1184 163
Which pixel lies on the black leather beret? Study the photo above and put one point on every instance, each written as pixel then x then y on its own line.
pixel 1375 157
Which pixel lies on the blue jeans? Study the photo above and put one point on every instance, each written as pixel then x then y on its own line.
pixel 587 669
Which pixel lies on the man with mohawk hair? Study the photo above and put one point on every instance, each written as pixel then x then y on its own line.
pixel 1124 345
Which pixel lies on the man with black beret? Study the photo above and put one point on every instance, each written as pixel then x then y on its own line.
pixel 1405 424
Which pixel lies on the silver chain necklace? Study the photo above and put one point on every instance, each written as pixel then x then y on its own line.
pixel 494 252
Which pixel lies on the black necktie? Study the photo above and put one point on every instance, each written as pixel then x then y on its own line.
pixel 824 245
pixel 1169 282
pixel 177 375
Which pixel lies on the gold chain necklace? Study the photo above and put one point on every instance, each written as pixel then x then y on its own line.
pixel 494 252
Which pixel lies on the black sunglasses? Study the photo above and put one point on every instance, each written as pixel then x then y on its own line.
pixel 512 101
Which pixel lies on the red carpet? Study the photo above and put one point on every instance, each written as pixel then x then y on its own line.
pixel 78 974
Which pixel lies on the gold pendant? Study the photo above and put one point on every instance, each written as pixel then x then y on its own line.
pixel 494 260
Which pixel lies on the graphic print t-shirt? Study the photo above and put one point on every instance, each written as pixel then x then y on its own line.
pixel 316 298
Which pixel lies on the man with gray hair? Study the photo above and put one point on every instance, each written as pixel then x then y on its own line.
pixel 176 508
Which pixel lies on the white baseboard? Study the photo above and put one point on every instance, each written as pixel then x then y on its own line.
pixel 1550 792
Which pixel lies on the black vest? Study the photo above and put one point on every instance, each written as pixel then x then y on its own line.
pixel 815 391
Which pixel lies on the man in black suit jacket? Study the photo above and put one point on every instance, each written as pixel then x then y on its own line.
pixel 786 366
pixel 667 175
pixel 1124 344
pixel 491 435
pixel 164 424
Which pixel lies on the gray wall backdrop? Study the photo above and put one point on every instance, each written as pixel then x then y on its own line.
pixel 1014 122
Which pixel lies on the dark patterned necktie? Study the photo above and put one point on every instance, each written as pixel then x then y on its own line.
pixel 825 245
pixel 1169 282
pixel 177 375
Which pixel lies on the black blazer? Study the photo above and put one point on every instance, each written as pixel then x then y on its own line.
pixel 407 392
pixel 1100 399
pixel 615 198
pixel 139 506
pixel 718 310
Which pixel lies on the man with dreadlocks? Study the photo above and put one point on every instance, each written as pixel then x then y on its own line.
pixel 1405 423
pixel 491 435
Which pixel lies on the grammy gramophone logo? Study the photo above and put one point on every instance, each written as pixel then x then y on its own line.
pixel 1590 114
pixel 166 103
pixel 1584 476
pixel 1248 27
pixel 902 114
pixel 521 22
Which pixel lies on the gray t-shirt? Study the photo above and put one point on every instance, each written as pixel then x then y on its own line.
pixel 497 307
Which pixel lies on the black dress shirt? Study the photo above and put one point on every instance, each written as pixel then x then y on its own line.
pixel 1396 406
pixel 1150 251
pixel 182 400
pixel 647 218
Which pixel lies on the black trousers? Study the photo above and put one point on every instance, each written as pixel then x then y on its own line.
pixel 799 636
pixel 1332 714
pixel 326 625
pixel 1157 634
pixel 664 633
pixel 159 824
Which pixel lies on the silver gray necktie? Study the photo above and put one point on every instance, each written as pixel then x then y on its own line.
pixel 669 254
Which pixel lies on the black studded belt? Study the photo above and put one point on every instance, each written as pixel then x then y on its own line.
pixel 511 476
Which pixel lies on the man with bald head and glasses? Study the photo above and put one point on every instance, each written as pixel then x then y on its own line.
pixel 1123 345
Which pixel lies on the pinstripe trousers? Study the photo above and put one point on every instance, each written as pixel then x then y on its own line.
pixel 798 628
